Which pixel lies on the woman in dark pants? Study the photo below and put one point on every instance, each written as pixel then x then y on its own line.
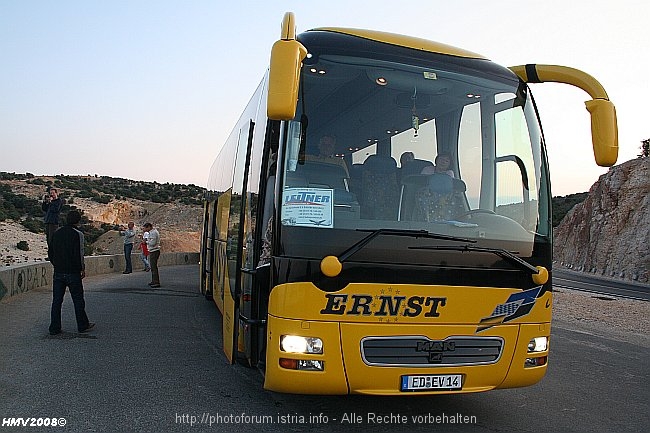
pixel 153 245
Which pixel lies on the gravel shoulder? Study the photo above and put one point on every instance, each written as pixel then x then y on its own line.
pixel 624 319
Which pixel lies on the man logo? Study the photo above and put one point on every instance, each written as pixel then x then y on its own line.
pixel 435 349
pixel 435 346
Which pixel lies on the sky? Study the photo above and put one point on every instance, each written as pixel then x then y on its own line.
pixel 150 90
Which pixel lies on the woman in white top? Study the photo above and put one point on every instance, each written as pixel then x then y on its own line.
pixel 443 162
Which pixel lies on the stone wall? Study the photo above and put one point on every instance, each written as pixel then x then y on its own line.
pixel 18 279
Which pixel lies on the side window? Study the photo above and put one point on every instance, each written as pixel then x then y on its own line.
pixel 515 172
pixel 470 152
pixel 236 198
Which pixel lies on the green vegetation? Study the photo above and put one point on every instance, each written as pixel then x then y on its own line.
pixel 23 246
pixel 103 189
pixel 645 148
pixel 563 204
pixel 16 206
pixel 34 225
pixel 14 176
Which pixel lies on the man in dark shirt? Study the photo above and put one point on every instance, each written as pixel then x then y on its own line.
pixel 67 257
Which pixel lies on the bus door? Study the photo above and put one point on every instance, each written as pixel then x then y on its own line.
pixel 236 242
pixel 208 247
pixel 205 247
pixel 255 268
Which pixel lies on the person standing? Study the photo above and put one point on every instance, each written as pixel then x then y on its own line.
pixel 327 153
pixel 129 238
pixel 67 257
pixel 153 245
pixel 52 205
pixel 144 252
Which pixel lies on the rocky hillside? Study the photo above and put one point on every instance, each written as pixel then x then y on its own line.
pixel 179 224
pixel 608 233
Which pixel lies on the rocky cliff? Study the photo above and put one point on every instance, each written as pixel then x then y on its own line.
pixel 609 233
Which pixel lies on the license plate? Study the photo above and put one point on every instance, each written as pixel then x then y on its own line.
pixel 432 381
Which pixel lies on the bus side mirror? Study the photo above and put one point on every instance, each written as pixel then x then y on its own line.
pixel 286 58
pixel 604 131
pixel 287 55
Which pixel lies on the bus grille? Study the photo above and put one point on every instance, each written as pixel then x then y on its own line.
pixel 422 352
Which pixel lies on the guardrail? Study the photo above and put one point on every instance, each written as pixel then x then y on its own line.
pixel 18 279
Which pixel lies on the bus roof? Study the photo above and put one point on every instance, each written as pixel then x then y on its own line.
pixel 404 41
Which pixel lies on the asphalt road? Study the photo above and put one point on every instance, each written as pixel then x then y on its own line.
pixel 154 363
pixel 608 286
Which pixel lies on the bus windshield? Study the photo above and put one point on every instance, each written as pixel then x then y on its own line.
pixel 406 143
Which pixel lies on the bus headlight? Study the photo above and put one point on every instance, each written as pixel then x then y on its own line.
pixel 298 344
pixel 538 344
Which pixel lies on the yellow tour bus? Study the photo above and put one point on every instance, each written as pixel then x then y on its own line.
pixel 379 219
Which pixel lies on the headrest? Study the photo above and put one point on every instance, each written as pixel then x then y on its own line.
pixel 415 166
pixel 441 183
pixel 380 163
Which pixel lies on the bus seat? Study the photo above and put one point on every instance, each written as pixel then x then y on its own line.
pixel 355 178
pixel 459 185
pixel 325 175
pixel 414 167
pixel 442 199
pixel 440 183
pixel 295 179
pixel 410 186
pixel 379 188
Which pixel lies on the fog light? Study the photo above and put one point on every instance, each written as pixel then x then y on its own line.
pixel 311 365
pixel 535 362
pixel 302 364
pixel 298 344
pixel 538 344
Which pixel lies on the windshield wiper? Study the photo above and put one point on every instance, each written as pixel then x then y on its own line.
pixel 504 254
pixel 396 232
